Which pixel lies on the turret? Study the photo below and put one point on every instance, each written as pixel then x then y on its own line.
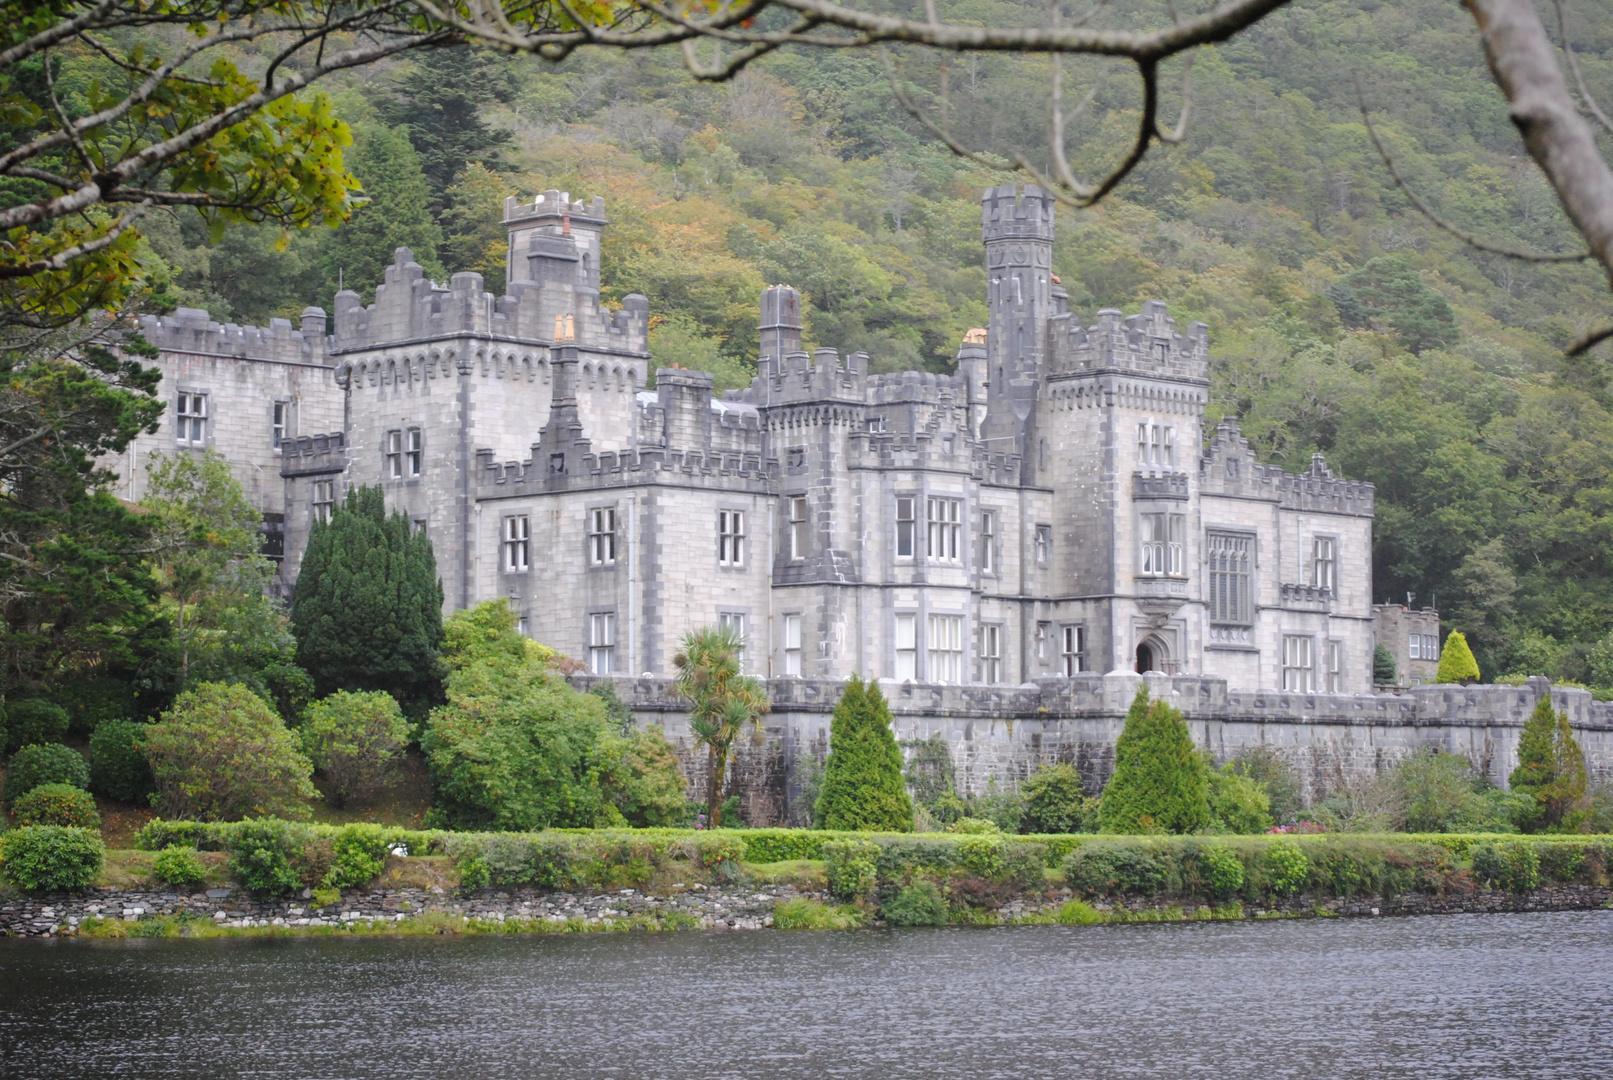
pixel 1017 229
pixel 553 239
pixel 781 327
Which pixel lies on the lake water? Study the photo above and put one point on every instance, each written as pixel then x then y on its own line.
pixel 1453 996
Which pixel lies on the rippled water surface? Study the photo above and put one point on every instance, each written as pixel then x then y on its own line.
pixel 1459 996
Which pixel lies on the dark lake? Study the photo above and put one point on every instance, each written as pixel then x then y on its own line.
pixel 1454 996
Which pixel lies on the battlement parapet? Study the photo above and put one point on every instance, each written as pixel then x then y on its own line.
pixel 1008 212
pixel 1145 343
pixel 1230 468
pixel 1159 485
pixel 917 388
pixel 308 455
pixel 822 375
pixel 641 465
pixel 1317 489
pixel 1292 596
pixel 192 330
pixel 554 207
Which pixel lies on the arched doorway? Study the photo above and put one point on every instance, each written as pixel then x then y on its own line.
pixel 1150 655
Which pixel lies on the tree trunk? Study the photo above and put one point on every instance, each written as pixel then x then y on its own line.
pixel 716 764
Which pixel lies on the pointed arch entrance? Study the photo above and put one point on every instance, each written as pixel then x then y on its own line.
pixel 1152 655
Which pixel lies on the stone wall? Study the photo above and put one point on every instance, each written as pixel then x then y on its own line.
pixel 1001 734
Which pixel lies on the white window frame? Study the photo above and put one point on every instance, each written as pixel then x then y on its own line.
pixel 798 527
pixel 602 536
pixel 991 652
pixel 1156 445
pixel 906 526
pixel 1299 663
pixel 1044 544
pixel 1162 544
pixel 943 642
pixel 988 540
pixel 279 422
pixel 1335 667
pixel 734 620
pixel 190 418
pixel 394 454
pixel 601 642
pixel 730 537
pixel 1073 648
pixel 324 500
pixel 414 454
pixel 1230 558
pixel 943 528
pixel 1324 563
pixel 515 538
pixel 792 645
pixel 907 647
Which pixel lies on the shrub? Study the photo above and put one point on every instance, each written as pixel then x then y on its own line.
pixel 1281 782
pixel 1561 861
pixel 264 853
pixel 645 782
pixel 1514 865
pixel 118 766
pixel 918 904
pixel 1284 868
pixel 1023 864
pixel 1550 772
pixel 157 834
pixel 51 858
pixel 1055 801
pixel 356 741
pixel 359 854
pixel 973 826
pixel 51 763
pixel 34 721
pixel 1158 782
pixel 1078 913
pixel 862 782
pixel 220 753
pixel 1456 663
pixel 982 856
pixel 1220 870
pixel 851 868
pixel 1105 869
pixel 1237 803
pixel 1432 792
pixel 1383 666
pixel 179 866
pixel 57 804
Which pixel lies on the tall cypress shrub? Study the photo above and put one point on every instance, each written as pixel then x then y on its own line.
pixel 862 783
pixel 1551 770
pixel 1158 784
pixel 367 610
pixel 1456 663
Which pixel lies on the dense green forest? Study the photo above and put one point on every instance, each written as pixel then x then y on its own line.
pixel 1342 321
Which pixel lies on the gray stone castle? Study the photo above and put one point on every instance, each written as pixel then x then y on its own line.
pixel 1050 508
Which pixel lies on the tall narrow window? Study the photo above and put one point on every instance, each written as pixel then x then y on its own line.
pixel 1299 664
pixel 792 644
pixel 1142 446
pixel 991 653
pixel 735 621
pixel 1156 445
pixel 944 529
pixel 1230 558
pixel 730 537
pixel 1044 543
pixel 517 544
pixel 1162 544
pixel 905 526
pixel 1322 563
pixel 945 648
pixel 798 528
pixel 907 648
pixel 988 541
pixel 522 626
pixel 413 452
pixel 602 536
pixel 1415 647
pixel 1073 649
pixel 602 642
pixel 280 423
pixel 394 455
pixel 190 419
pixel 1335 667
pixel 324 499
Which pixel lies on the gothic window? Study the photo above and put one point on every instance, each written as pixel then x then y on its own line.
pixel 1322 563
pixel 190 419
pixel 1044 544
pixel 1162 543
pixel 602 642
pixel 907 652
pixel 945 648
pixel 792 644
pixel 324 499
pixel 1073 649
pixel 991 653
pixel 988 538
pixel 280 423
pixel 1231 559
pixel 602 536
pixel 1299 666
pixel 905 526
pixel 730 537
pixel 517 544
pixel 944 529
pixel 798 528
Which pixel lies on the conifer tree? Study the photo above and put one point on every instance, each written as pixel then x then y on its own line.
pixel 862 783
pixel 1551 769
pixel 1158 783
pixel 1456 663
pixel 396 215
pixel 367 611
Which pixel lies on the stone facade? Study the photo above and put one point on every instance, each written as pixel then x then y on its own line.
pixel 1047 509
pixel 1412 638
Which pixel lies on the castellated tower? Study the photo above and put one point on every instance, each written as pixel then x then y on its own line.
pixel 1017 228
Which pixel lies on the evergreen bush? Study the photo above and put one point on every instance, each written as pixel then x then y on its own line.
pixel 1456 662
pixel 863 786
pixel 1514 866
pixel 118 765
pixel 1237 803
pixel 356 741
pixel 918 904
pixel 265 853
pixel 179 866
pixel 1220 870
pixel 1550 774
pixel 1158 783
pixel 51 763
pixel 220 753
pixel 359 854
pixel 57 804
pixel 1383 666
pixel 852 869
pixel 1055 801
pixel 34 721
pixel 51 858
pixel 1111 869
pixel 1284 868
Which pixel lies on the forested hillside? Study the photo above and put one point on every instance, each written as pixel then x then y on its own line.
pixel 1341 320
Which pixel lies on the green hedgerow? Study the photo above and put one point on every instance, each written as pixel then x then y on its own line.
pixel 359 855
pixel 1456 663
pixel 1514 866
pixel 863 787
pixel 118 766
pixel 1113 869
pixel 1221 871
pixel 982 855
pixel 263 854
pixel 179 866
pixel 57 804
pixel 852 869
pixel 34 721
pixel 918 904
pixel 1158 783
pixel 50 763
pixel 51 858
pixel 1284 868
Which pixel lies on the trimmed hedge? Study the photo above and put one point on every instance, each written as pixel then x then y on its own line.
pixel 51 858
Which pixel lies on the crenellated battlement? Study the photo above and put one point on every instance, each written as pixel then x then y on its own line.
pixel 192 330
pixel 1009 212
pixel 1230 468
pixel 307 455
pixel 639 465
pixel 1146 343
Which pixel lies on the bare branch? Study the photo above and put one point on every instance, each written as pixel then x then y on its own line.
pixel 60 32
pixel 1573 66
pixel 1589 340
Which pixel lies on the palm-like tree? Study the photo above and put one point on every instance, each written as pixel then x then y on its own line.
pixel 723 701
